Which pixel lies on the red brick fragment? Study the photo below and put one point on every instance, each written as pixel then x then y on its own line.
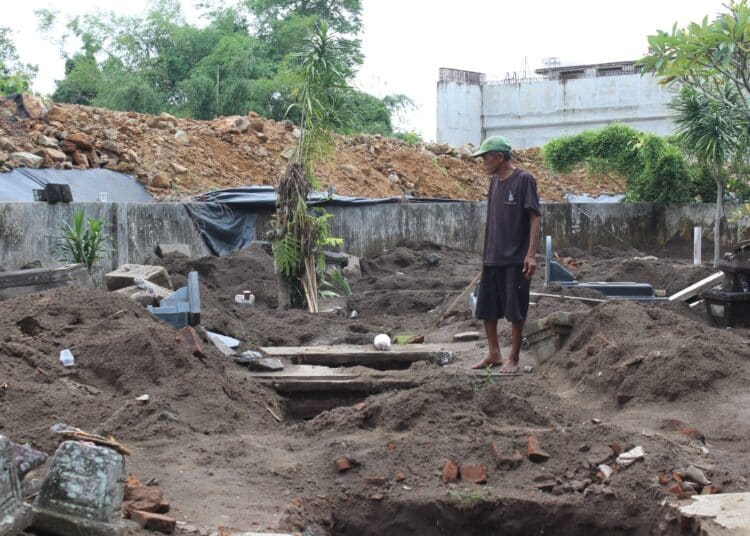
pixel 359 406
pixel 400 476
pixel 501 460
pixel 143 498
pixel 710 490
pixel 676 476
pixel 476 473
pixel 151 521
pixel 675 488
pixel 343 464
pixel 391 446
pixel 692 433
pixel 297 502
pixel 193 340
pixel 534 451
pixel 450 472
pixel 617 448
pixel 664 479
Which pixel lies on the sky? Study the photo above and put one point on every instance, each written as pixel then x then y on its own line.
pixel 405 42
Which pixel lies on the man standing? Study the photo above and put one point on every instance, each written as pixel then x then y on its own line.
pixel 510 241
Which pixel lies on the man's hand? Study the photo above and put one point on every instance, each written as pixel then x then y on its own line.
pixel 529 267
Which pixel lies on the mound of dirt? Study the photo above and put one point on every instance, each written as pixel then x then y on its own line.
pixel 121 352
pixel 631 350
pixel 177 158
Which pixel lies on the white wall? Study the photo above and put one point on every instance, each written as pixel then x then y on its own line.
pixel 531 113
pixel 459 113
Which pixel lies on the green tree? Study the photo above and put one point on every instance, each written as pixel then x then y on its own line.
pixel 15 77
pixel 709 132
pixel 709 60
pixel 319 76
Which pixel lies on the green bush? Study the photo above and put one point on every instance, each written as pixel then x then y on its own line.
pixel 655 170
pixel 412 138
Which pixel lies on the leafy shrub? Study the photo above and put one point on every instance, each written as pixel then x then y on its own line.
pixel 655 170
pixel 83 241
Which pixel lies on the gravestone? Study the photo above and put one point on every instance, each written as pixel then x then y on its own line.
pixel 15 515
pixel 82 492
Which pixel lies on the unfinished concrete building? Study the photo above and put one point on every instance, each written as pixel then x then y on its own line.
pixel 531 110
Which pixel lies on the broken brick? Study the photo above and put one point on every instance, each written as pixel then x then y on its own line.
pixel 400 476
pixel 710 490
pixel 477 474
pixel 359 406
pixel 617 448
pixel 534 452
pixel 391 446
pixel 193 340
pixel 143 498
pixel 450 472
pixel 677 476
pixel 506 461
pixel 151 521
pixel 675 488
pixel 343 464
pixel 664 479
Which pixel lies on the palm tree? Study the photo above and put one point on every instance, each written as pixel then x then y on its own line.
pixel 714 136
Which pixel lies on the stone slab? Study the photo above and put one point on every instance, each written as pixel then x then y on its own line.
pixel 82 492
pixel 19 282
pixel 266 364
pixel 729 511
pixel 166 249
pixel 352 355
pixel 15 515
pixel 126 274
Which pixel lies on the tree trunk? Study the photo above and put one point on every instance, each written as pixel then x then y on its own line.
pixel 717 222
pixel 285 291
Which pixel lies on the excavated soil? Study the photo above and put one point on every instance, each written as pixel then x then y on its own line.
pixel 208 435
pixel 179 158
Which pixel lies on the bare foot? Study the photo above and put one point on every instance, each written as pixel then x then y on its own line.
pixel 511 367
pixel 489 361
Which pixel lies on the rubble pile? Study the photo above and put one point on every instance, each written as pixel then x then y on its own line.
pixel 177 158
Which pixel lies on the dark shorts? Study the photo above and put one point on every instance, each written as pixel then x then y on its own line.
pixel 503 293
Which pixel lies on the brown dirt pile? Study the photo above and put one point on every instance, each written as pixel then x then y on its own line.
pixel 121 352
pixel 629 350
pixel 177 158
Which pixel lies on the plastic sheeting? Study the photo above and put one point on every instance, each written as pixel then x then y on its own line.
pixel 224 229
pixel 85 184
pixel 226 218
pixel 265 196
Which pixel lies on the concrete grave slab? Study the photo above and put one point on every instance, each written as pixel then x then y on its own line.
pixel 126 275
pixel 19 282
pixel 15 515
pixel 82 492
pixel 723 513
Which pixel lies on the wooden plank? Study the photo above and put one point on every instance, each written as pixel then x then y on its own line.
pixel 312 378
pixel 338 355
pixel 694 289
pixel 562 297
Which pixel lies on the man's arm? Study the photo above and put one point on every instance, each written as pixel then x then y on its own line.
pixel 529 263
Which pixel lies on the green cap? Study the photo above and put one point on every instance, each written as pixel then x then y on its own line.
pixel 493 144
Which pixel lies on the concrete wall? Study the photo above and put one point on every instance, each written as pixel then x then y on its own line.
pixel 28 230
pixel 531 113
pixel 459 113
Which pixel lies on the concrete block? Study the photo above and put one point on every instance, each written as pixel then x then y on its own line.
pixel 82 492
pixel 166 249
pixel 19 282
pixel 145 293
pixel 15 515
pixel 126 275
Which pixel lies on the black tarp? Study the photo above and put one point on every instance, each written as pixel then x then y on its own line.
pixel 85 184
pixel 265 196
pixel 226 218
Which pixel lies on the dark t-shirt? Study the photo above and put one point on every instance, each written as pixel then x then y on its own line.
pixel 507 233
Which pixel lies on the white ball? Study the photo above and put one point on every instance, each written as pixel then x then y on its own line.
pixel 382 342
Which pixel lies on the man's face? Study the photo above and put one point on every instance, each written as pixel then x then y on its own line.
pixel 492 162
